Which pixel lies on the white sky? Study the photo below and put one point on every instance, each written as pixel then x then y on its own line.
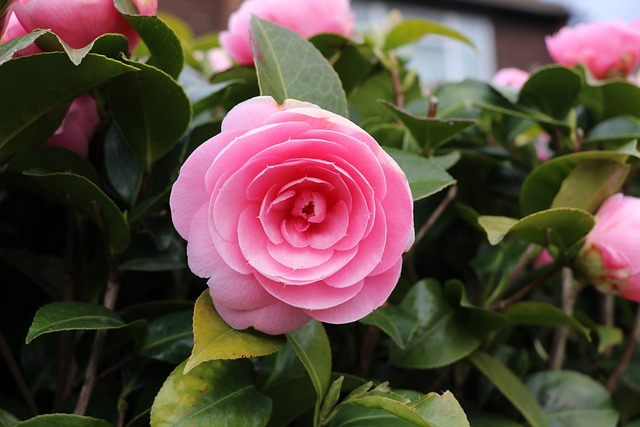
pixel 600 10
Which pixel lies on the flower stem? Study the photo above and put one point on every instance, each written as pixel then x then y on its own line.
pixel 501 305
pixel 569 293
pixel 621 366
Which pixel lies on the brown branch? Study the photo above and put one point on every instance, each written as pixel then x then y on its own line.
pixel 621 366
pixel 501 305
pixel 569 293
pixel 450 197
pixel 17 375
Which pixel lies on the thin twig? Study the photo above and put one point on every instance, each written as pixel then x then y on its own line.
pixel 607 316
pixel 501 305
pixel 395 79
pixel 17 375
pixel 569 293
pixel 621 366
pixel 450 197
pixel 433 106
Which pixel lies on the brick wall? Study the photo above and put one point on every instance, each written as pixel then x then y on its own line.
pixel 202 15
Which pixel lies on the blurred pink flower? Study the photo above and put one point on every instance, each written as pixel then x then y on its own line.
pixel 610 258
pixel 78 126
pixel 79 22
pixel 606 49
pixel 513 77
pixel 15 29
pixel 293 212
pixel 219 59
pixel 308 18
pixel 543 258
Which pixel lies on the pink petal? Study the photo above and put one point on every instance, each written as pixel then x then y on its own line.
pixel 374 293
pixel 274 319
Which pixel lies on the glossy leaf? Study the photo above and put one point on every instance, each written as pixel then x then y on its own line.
pixel 170 337
pixel 611 99
pixel 552 90
pixel 214 339
pixel 7 420
pixel 52 160
pixel 542 314
pixel 573 399
pixel 430 132
pixel 12 46
pixel 562 227
pixel 412 30
pixel 542 185
pixel 397 322
pixel 124 169
pixel 110 45
pixel 151 110
pixel 289 66
pixel 616 129
pixel 90 199
pixel 162 42
pixel 311 345
pixel 63 420
pixel 67 316
pixel 425 177
pixel 30 111
pixel 218 392
pixel 447 329
pixel 511 387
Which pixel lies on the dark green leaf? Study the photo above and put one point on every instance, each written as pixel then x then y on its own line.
pixel 562 227
pixel 511 387
pixel 124 170
pixel 218 392
pixel 111 45
pixel 290 67
pixel 612 99
pixel 553 90
pixel 214 339
pixel 7 49
pixel 63 420
pixel 7 420
pixel 52 160
pixel 398 323
pixel 46 271
pixel 92 201
pixel 430 132
pixel 412 30
pixel 425 177
pixel 311 345
pixel 170 337
pixel 35 89
pixel 162 42
pixel 151 110
pixel 542 314
pixel 573 399
pixel 616 129
pixel 66 316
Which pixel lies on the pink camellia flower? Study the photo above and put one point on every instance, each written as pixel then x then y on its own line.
pixel 79 22
pixel 512 77
pixel 308 18
pixel 78 126
pixel 610 258
pixel 293 213
pixel 606 49
pixel 219 59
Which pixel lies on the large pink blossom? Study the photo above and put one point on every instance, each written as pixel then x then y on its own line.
pixel 293 213
pixel 79 22
pixel 308 18
pixel 610 258
pixel 78 126
pixel 606 49
pixel 511 76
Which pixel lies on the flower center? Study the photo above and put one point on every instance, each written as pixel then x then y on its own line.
pixel 310 206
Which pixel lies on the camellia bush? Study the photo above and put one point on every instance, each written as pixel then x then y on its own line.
pixel 282 225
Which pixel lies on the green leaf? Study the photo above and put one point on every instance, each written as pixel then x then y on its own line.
pixel 616 129
pixel 7 420
pixel 543 184
pixel 170 337
pixel 151 110
pixel 398 323
pixel 562 227
pixel 447 329
pixel 573 399
pixel 124 170
pixel 218 392
pixel 612 99
pixel 311 345
pixel 46 271
pixel 214 339
pixel 590 183
pixel 553 90
pixel 430 132
pixel 67 316
pixel 543 314
pixel 290 67
pixel 63 420
pixel 90 199
pixel 441 410
pixel 52 160
pixel 35 89
pixel 7 49
pixel 162 42
pixel 511 387
pixel 425 177
pixel 111 45
pixel 412 30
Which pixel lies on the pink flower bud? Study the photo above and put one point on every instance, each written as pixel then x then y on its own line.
pixel 308 18
pixel 606 49
pixel 513 77
pixel 610 258
pixel 79 22
pixel 78 126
